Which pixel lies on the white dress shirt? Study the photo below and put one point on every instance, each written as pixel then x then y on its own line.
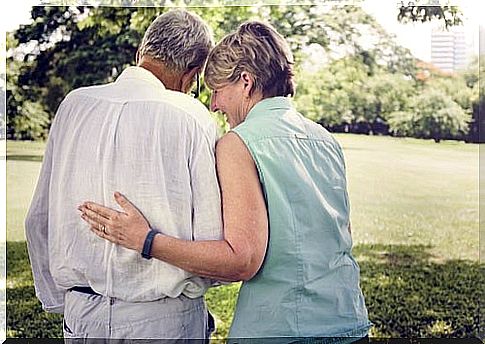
pixel 156 147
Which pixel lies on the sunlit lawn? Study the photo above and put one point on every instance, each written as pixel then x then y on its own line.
pixel 414 223
pixel 23 166
pixel 409 191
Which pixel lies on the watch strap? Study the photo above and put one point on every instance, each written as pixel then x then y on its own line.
pixel 147 245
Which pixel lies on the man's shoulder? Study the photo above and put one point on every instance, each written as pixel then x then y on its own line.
pixel 192 108
pixel 184 107
pixel 185 102
pixel 75 97
pixel 86 91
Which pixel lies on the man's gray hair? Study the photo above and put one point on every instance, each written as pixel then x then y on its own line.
pixel 180 39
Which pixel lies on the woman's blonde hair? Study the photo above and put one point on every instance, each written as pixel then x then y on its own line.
pixel 255 48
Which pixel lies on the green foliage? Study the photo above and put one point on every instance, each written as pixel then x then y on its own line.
pixel 402 122
pixel 456 88
pixel 348 91
pixel 333 94
pixel 80 46
pixel 366 97
pixel 472 75
pixel 32 124
pixel 77 46
pixel 433 114
pixel 27 119
pixel 449 15
pixel 392 92
pixel 223 20
pixel 327 26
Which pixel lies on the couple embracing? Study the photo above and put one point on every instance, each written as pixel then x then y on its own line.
pixel 140 207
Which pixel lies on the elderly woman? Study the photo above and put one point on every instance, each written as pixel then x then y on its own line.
pixel 284 201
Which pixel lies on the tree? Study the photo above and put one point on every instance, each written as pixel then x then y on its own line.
pixel 32 124
pixel 477 124
pixel 456 88
pixel 391 92
pixel 27 119
pixel 432 115
pixel 331 96
pixel 79 46
pixel 353 94
pixel 449 15
pixel 463 88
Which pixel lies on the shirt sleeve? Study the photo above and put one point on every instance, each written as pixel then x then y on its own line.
pixel 37 234
pixel 206 198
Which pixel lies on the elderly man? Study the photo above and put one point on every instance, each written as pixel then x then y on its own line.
pixel 142 134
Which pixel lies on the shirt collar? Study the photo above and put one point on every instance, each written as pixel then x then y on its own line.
pixel 268 104
pixel 138 73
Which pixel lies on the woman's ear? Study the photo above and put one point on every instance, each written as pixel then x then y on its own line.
pixel 248 84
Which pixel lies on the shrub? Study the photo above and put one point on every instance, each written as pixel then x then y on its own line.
pixel 31 123
pixel 433 115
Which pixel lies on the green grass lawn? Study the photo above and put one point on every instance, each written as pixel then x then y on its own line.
pixel 409 191
pixel 23 166
pixel 414 223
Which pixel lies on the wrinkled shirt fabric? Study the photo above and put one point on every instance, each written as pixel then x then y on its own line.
pixel 155 146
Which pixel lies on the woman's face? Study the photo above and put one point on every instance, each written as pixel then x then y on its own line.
pixel 229 99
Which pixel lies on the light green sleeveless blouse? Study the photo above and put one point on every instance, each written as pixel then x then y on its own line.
pixel 308 285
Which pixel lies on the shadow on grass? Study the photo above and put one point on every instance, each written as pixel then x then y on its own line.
pixel 25 317
pixel 408 294
pixel 393 255
pixel 37 158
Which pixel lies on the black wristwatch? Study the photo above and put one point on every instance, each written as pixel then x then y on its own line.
pixel 147 246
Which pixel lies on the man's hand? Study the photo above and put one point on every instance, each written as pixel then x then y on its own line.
pixel 128 229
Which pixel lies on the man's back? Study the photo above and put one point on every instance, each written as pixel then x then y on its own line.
pixel 154 145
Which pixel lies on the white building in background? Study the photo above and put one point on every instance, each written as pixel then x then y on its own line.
pixel 449 49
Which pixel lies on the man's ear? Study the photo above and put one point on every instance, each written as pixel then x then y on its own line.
pixel 187 79
pixel 248 84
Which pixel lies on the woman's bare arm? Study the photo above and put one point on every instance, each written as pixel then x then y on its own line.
pixel 238 256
